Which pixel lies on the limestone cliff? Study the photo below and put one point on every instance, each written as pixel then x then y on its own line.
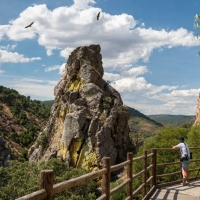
pixel 197 120
pixel 88 120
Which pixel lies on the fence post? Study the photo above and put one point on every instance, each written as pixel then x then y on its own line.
pixel 106 178
pixel 130 175
pixel 144 175
pixel 153 171
pixel 46 182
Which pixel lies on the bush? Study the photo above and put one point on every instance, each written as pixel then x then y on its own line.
pixel 166 138
pixel 119 195
pixel 23 178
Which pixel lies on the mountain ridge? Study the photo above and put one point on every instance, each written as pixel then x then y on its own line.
pixel 174 120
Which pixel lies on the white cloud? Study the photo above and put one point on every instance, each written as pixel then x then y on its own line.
pixel 31 89
pixel 135 71
pixel 41 89
pixel 14 57
pixel 3 31
pixel 65 28
pixel 111 76
pixel 138 84
pixel 130 80
pixel 1 71
pixel 66 52
pixel 49 52
pixel 183 102
pixel 52 68
pixel 8 47
pixel 83 4
pixel 177 95
pixel 61 68
pixel 150 107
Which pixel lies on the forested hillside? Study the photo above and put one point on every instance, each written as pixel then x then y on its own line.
pixel 21 119
pixel 174 120
pixel 141 126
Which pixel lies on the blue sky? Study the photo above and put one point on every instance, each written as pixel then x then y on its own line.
pixel 149 48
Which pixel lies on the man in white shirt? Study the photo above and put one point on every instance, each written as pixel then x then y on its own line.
pixel 184 158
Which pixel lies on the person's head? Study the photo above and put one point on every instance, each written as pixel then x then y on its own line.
pixel 181 138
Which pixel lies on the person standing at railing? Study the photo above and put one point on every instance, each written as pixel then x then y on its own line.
pixel 184 158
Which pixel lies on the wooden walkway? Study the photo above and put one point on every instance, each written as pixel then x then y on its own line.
pixel 178 192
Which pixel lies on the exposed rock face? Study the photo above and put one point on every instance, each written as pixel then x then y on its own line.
pixel 88 120
pixel 5 153
pixel 197 120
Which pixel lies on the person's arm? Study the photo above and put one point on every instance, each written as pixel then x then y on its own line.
pixel 175 147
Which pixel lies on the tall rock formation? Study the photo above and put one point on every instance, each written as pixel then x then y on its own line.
pixel 88 120
pixel 197 120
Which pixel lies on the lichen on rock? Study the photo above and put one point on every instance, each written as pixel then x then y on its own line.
pixel 88 120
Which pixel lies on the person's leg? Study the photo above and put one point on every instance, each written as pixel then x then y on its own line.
pixel 185 172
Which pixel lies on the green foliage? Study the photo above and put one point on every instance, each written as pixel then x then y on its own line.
pixel 27 114
pixel 194 136
pixel 17 102
pixel 107 102
pixel 141 126
pixel 166 138
pixel 194 141
pixel 42 139
pixel 173 120
pixel 23 178
pixel 48 104
pixel 136 113
pixel 122 194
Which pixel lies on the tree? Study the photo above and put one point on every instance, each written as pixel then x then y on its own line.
pixel 23 178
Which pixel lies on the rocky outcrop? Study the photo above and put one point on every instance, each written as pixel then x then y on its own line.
pixel 88 120
pixel 197 120
pixel 5 153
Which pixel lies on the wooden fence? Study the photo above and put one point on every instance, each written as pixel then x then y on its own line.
pixel 148 176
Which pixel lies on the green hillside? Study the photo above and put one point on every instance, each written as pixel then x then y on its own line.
pixel 48 103
pixel 21 119
pixel 142 126
pixel 174 120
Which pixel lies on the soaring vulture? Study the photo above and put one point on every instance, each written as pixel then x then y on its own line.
pixel 29 25
pixel 98 16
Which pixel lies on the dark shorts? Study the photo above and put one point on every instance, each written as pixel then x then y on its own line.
pixel 185 164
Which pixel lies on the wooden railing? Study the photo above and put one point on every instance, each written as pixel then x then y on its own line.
pixel 148 178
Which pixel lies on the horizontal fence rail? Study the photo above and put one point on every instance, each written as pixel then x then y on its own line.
pixel 148 176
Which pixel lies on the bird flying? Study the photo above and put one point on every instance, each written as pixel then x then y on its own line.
pixel 29 25
pixel 98 16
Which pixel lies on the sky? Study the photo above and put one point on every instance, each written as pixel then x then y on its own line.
pixel 149 48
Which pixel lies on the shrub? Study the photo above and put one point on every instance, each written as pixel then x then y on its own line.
pixel 23 178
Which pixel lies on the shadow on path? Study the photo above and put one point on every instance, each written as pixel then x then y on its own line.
pixel 178 192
